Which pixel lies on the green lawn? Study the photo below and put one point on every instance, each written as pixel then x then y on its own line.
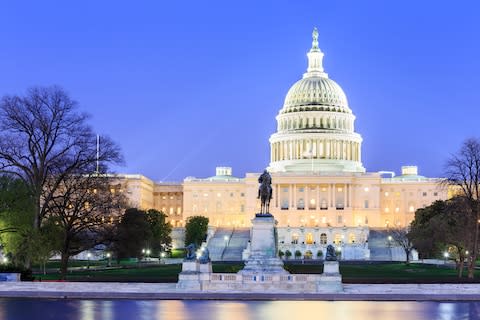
pixel 351 273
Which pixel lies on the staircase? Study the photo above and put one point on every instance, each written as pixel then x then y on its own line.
pixel 378 245
pixel 238 242
pixel 230 249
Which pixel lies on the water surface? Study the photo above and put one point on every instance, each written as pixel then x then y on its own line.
pixel 18 309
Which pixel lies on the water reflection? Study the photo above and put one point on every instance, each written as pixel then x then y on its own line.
pixel 234 310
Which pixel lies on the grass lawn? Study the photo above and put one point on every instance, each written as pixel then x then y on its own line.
pixel 351 273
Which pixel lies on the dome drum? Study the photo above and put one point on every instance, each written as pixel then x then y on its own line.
pixel 314 120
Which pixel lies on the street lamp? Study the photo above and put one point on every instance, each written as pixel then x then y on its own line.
pixel 148 253
pixel 445 255
pixel 88 260
pixel 390 247
pixel 5 260
pixel 109 256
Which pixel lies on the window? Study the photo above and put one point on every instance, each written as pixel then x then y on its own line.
pixel 351 238
pixel 171 197
pixel 387 210
pixel 365 205
pixel 231 194
pixel 284 205
pixel 312 204
pixel 424 194
pixel 294 238
pixel 338 238
pixel 324 219
pixel 171 210
pixel 323 238
pixel 301 204
pixel 411 209
pixel 366 220
pixel 309 238
pixel 179 210
pixel 300 189
pixel 339 219
pixel 242 194
pixel 435 194
pixel 323 205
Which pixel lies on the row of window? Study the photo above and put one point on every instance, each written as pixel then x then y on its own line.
pixel 219 194
pixel 309 239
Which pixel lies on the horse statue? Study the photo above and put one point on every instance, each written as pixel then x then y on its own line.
pixel 265 192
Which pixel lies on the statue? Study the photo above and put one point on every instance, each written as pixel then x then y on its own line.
pixel 265 192
pixel 331 255
pixel 205 257
pixel 191 252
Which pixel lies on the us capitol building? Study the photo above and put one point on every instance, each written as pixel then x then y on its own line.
pixel 322 194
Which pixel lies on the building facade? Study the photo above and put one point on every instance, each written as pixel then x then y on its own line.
pixel 322 194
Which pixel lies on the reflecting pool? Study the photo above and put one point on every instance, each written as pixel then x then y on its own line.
pixel 17 309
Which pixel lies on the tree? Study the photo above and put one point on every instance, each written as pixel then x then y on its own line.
pixel 442 226
pixel 83 207
pixel 400 237
pixel 160 229
pixel 196 229
pixel 132 235
pixel 43 138
pixel 281 254
pixel 463 172
pixel 19 240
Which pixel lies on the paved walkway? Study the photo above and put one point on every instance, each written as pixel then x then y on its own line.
pixel 104 290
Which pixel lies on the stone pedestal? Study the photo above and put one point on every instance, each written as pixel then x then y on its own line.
pixel 194 275
pixel 263 256
pixel 330 280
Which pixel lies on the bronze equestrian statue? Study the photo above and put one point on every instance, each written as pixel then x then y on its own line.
pixel 265 192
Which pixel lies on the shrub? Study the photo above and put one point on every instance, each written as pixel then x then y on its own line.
pixel 298 254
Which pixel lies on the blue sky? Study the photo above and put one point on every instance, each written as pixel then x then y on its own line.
pixel 184 86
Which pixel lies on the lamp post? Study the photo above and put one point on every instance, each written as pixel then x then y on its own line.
pixel 148 253
pixel 445 255
pixel 88 260
pixel 390 247
pixel 109 256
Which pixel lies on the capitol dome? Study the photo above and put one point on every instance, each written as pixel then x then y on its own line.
pixel 315 126
pixel 315 94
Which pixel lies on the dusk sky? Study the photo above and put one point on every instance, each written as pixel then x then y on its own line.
pixel 185 86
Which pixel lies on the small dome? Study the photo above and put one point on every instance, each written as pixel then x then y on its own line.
pixel 315 94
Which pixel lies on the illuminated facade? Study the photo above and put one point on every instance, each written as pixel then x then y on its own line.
pixel 321 191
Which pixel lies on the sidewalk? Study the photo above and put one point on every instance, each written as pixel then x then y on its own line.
pixel 168 291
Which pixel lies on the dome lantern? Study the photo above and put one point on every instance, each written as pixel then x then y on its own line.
pixel 315 59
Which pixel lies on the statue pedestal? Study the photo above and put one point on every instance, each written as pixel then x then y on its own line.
pixel 263 248
pixel 330 280
pixel 194 275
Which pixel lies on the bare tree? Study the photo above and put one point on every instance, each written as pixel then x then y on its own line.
pixel 44 138
pixel 400 237
pixel 463 172
pixel 85 208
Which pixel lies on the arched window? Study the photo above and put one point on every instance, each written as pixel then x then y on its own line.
pixel 323 238
pixel 294 238
pixel 309 238
pixel 351 238
pixel 338 238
